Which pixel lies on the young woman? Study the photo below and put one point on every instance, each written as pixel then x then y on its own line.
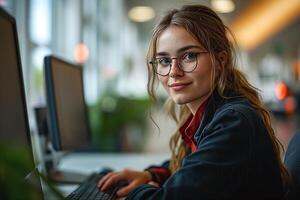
pixel 224 146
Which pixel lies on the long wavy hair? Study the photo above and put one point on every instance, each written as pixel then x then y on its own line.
pixel 215 37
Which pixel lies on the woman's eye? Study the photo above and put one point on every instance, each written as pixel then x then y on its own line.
pixel 189 56
pixel 164 61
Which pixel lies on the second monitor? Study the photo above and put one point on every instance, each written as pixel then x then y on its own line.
pixel 68 119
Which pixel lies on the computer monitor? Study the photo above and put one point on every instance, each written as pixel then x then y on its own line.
pixel 68 120
pixel 14 129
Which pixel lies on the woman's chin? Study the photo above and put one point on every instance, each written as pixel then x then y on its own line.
pixel 179 101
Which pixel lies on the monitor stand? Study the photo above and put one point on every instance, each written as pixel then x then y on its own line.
pixel 60 176
pixel 66 176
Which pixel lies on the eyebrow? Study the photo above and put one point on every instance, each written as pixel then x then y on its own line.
pixel 182 49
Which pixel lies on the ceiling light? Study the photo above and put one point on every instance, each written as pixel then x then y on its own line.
pixel 259 22
pixel 81 53
pixel 141 13
pixel 223 6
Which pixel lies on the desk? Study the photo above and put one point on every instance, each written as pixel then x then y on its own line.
pixel 90 162
pixel 86 163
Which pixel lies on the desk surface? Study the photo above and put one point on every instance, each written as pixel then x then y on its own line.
pixel 86 163
pixel 91 162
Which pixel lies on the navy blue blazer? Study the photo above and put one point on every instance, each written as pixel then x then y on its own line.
pixel 234 159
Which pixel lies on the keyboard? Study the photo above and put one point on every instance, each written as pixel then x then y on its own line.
pixel 89 190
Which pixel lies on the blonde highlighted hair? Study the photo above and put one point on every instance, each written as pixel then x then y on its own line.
pixel 207 28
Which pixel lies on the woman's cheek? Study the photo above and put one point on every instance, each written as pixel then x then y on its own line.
pixel 164 82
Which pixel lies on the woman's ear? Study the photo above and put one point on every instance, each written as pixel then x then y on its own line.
pixel 222 57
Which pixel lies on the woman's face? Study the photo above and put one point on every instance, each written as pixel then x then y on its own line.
pixel 189 88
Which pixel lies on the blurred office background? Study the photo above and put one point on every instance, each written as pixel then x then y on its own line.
pixel 110 40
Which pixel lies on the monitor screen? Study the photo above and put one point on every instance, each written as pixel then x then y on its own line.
pixel 66 105
pixel 16 153
pixel 14 128
pixel 13 121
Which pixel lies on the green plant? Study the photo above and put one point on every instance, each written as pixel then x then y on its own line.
pixel 15 164
pixel 113 117
pixel 18 177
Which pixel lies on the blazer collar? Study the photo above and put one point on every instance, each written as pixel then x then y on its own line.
pixel 214 103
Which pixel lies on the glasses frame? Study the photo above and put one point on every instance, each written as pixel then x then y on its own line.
pixel 154 64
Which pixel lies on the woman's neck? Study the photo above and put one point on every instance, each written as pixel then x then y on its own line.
pixel 194 105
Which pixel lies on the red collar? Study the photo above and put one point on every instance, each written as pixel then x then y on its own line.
pixel 189 128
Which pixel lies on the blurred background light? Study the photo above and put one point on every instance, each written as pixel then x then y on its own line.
pixel 223 6
pixel 141 13
pixel 281 91
pixel 296 69
pixel 81 53
pixel 290 105
pixel 262 19
pixel 40 19
pixel 2 2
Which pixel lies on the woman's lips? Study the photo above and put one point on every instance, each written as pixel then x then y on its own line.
pixel 178 86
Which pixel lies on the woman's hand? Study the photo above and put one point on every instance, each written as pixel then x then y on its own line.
pixel 134 179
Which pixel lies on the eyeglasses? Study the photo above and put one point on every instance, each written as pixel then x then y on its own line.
pixel 186 62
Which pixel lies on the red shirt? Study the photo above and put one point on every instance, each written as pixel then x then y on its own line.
pixel 189 128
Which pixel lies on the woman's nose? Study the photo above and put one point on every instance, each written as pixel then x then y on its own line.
pixel 175 69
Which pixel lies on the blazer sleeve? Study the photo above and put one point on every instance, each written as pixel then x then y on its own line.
pixel 218 167
pixel 159 173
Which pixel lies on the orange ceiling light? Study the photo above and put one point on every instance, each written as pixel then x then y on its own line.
pixel 262 19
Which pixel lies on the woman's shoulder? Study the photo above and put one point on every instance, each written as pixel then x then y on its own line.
pixel 239 112
pixel 240 105
pixel 237 118
pixel 233 115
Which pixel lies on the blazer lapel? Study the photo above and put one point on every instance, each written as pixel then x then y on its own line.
pixel 212 106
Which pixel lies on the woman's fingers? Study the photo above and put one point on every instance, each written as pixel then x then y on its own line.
pixel 103 179
pixel 125 190
pixel 109 182
pixel 134 179
pixel 140 178
pixel 112 179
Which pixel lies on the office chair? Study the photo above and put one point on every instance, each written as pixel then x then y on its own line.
pixel 292 162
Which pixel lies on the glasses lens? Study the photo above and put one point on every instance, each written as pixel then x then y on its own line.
pixel 163 70
pixel 188 63
pixel 162 66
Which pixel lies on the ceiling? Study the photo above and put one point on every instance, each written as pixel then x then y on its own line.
pixel 162 6
pixel 238 16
